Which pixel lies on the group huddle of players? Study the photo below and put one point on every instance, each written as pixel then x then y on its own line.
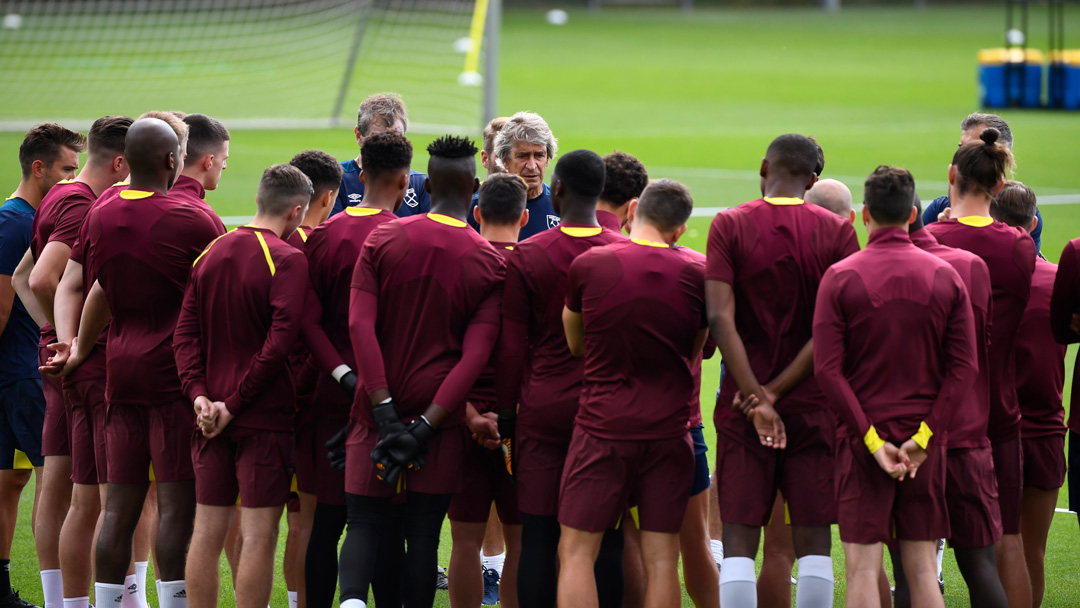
pixel 381 348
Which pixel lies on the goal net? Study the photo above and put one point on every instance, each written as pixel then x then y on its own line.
pixel 249 63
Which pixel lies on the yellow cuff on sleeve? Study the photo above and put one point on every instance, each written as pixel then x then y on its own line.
pixel 922 437
pixel 872 441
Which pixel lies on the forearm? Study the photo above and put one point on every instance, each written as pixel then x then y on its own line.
pixel 326 357
pixel 733 353
pixel 95 316
pixel 475 353
pixel 510 366
pixel 364 308
pixel 798 370
pixel 20 280
pixel 68 305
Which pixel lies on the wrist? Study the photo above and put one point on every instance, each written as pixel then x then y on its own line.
pixel 923 435
pixel 872 440
pixel 340 372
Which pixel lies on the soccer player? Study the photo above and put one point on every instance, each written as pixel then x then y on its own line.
pixel 1064 320
pixel 485 484
pixel 488 161
pixel 207 153
pixel 239 322
pixel 525 146
pixel 378 113
pixel 325 174
pixel 977 173
pixel 1040 379
pixel 636 311
pixel 333 249
pixel 423 318
pixel 139 248
pixel 834 196
pixel 626 179
pixel 48 154
pixel 761 292
pixel 891 402
pixel 538 381
pixel 56 229
pixel 970 484
pixel 970 128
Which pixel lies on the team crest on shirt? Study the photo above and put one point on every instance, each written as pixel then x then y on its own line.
pixel 410 198
pixel 553 221
pixel 355 198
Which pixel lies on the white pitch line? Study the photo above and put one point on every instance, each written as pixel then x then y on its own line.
pixel 1063 511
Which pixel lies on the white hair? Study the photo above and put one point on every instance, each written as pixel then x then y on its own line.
pixel 527 127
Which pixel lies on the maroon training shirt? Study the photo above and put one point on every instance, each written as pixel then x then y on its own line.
pixel 773 252
pixel 707 351
pixel 608 220
pixel 1009 254
pixel 333 249
pixel 893 294
pixel 238 325
pixel 1040 361
pixel 424 314
pixel 969 422
pixel 140 246
pixel 59 218
pixel 536 372
pixel 1063 303
pixel 190 190
pixel 643 305
pixel 482 395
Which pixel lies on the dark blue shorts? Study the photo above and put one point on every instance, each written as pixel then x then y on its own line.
pixel 22 416
pixel 701 461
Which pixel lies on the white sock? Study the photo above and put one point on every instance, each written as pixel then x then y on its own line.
pixel 353 603
pixel 52 584
pixel 293 599
pixel 131 593
pixel 108 595
pixel 493 562
pixel 77 602
pixel 173 594
pixel 738 583
pixel 717 547
pixel 157 587
pixel 815 588
pixel 940 554
pixel 140 580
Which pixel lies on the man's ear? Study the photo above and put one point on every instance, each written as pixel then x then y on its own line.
pixel 952 174
pixel 914 215
pixel 476 213
pixel 764 170
pixel 476 185
pixel 363 179
pixel 296 211
pixel 328 199
pixel 427 185
pixel 678 233
pixel 359 137
pixel 524 218
pixel 631 210
pixel 37 168
pixel 998 187
pixel 851 220
pixel 813 180
pixel 403 181
pixel 1034 223
pixel 208 161
pixel 484 160
pixel 865 214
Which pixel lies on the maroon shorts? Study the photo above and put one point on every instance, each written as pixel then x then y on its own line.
pixel 749 474
pixel 89 462
pixel 137 435
pixel 55 434
pixel 1009 469
pixel 254 465
pixel 603 477
pixel 484 480
pixel 972 497
pixel 305 453
pixel 539 475
pixel 872 507
pixel 441 473
pixel 1044 462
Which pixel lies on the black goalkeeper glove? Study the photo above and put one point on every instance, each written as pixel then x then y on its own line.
pixel 348 382
pixel 507 432
pixel 400 451
pixel 335 448
pixel 387 418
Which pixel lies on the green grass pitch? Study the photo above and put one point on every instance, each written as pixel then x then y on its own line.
pixel 698 98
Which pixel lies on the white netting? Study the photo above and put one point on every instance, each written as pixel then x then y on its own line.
pixel 272 63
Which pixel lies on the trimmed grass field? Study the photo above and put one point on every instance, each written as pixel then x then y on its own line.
pixel 698 98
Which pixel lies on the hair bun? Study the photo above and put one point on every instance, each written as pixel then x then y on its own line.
pixel 990 136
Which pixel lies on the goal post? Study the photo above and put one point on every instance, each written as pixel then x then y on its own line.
pixel 249 63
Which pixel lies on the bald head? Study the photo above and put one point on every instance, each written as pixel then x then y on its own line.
pixel 832 195
pixel 152 150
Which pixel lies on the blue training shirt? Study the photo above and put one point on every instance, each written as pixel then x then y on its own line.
pixel 19 342
pixel 542 215
pixel 351 193
pixel 935 208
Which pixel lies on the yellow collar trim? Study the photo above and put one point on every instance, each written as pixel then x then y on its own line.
pixel 783 200
pixel 581 231
pixel 509 247
pixel 123 183
pixel 446 219
pixel 362 211
pixel 204 251
pixel 66 181
pixel 133 195
pixel 266 252
pixel 303 235
pixel 649 243
pixel 978 221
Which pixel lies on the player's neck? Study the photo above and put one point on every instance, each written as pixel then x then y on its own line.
pixel 276 225
pixel 98 179
pixel 500 234
pixel 784 188
pixel 150 183
pixel 449 208
pixel 969 205
pixel 580 212
pixel 30 192
pixel 618 211
pixel 377 198
pixel 196 174
pixel 641 231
